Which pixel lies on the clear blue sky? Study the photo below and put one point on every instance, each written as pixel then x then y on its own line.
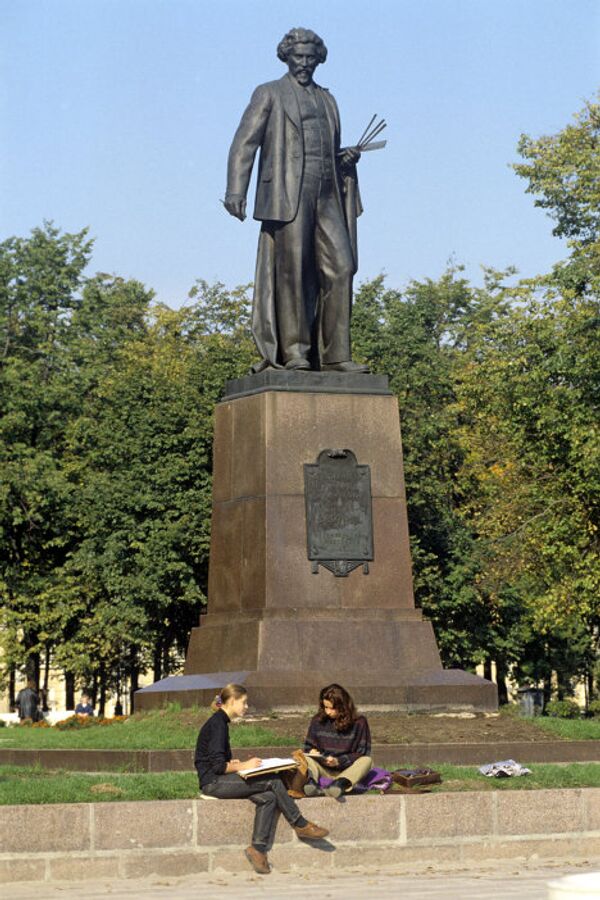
pixel 118 114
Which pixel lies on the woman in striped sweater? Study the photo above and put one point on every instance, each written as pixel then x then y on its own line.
pixel 338 744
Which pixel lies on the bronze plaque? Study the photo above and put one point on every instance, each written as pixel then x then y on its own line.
pixel 339 522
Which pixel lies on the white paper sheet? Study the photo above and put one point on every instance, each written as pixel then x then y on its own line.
pixel 273 762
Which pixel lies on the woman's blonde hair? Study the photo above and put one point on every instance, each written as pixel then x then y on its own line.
pixel 230 690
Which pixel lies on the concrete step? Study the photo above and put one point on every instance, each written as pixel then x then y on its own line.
pixel 407 833
pixel 467 754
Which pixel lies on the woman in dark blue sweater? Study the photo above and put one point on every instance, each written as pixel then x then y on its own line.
pixel 218 776
pixel 341 740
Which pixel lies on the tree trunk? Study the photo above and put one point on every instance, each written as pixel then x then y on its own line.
pixel 166 646
pixel 32 669
pixel 547 690
pixel 501 679
pixel 11 688
pixel 118 705
pixel 46 683
pixel 563 686
pixel 69 690
pixel 133 684
pixel 487 669
pixel 157 660
pixel 102 704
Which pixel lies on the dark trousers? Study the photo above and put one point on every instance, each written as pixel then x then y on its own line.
pixel 269 796
pixel 314 266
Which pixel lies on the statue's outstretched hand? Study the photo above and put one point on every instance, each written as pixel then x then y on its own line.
pixel 235 204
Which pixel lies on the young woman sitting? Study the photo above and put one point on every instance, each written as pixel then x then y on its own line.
pixel 337 745
pixel 218 775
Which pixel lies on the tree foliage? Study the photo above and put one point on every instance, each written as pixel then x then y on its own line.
pixel 563 171
pixel 106 406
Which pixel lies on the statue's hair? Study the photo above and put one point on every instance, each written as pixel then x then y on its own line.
pixel 301 36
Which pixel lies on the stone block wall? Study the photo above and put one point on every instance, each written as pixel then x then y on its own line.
pixel 397 832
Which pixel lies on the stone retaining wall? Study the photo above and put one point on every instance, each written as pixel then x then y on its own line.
pixel 404 833
pixel 384 754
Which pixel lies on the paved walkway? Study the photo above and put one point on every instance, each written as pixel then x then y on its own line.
pixel 506 883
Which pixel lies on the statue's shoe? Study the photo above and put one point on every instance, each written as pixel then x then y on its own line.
pixel 348 366
pixel 297 362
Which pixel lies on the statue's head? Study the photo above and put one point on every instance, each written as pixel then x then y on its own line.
pixel 302 50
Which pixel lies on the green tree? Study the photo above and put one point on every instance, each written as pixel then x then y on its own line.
pixel 106 444
pixel 418 338
pixel 529 393
pixel 40 282
pixel 563 172
pixel 140 457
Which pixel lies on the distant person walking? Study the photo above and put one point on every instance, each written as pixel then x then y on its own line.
pixel 27 702
pixel 218 776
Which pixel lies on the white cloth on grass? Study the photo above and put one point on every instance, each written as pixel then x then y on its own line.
pixel 507 768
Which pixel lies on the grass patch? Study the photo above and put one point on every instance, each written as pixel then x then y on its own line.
pixel 33 785
pixel 571 729
pixel 177 729
pixel 19 785
pixel 570 775
pixel 166 729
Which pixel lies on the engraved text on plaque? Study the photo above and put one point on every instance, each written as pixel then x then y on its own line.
pixel 339 523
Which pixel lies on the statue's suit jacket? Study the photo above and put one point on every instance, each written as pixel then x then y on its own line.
pixel 272 122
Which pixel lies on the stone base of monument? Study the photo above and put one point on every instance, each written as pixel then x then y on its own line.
pixel 310 572
pixel 439 690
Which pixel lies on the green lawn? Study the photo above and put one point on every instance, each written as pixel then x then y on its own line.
pixel 20 785
pixel 177 729
pixel 566 775
pixel 35 785
pixel 161 730
pixel 572 729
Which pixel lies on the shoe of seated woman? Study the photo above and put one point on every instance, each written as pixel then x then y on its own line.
pixel 312 789
pixel 338 787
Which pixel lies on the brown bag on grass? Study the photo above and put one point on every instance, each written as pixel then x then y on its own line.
pixel 413 777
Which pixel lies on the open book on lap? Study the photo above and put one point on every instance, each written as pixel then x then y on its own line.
pixel 273 764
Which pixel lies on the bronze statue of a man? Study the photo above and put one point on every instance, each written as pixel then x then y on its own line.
pixel 307 200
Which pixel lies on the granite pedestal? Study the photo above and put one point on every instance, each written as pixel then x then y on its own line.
pixel 272 623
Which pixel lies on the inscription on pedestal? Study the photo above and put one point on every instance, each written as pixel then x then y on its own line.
pixel 339 521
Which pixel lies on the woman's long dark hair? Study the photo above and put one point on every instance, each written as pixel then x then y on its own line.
pixel 341 700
